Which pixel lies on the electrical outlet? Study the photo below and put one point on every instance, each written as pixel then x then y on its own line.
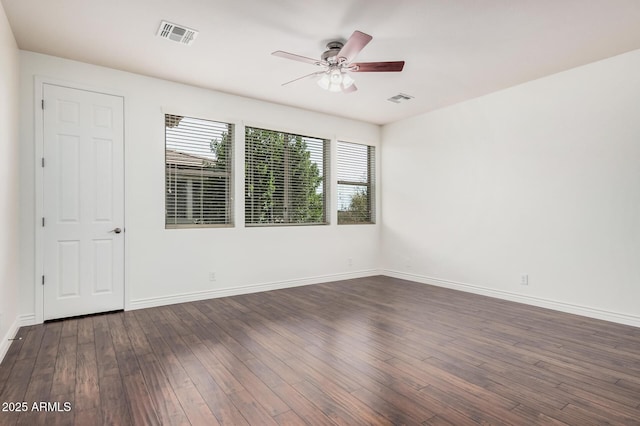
pixel 350 261
pixel 524 279
pixel 212 276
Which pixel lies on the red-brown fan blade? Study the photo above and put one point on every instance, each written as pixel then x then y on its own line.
pixel 395 66
pixel 298 58
pixel 353 46
pixel 304 76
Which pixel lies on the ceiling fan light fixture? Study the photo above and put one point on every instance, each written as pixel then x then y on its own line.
pixel 347 81
pixel 324 81
pixel 335 81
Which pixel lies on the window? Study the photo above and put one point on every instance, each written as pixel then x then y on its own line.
pixel 285 178
pixel 198 164
pixel 356 177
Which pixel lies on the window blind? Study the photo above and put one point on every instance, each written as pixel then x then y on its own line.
pixel 356 174
pixel 198 162
pixel 285 178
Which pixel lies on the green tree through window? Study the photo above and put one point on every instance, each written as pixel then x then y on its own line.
pixel 284 178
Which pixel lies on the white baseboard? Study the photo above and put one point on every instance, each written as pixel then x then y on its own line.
pixel 7 338
pixel 26 319
pixel 529 300
pixel 252 288
pixel 20 321
pixel 6 342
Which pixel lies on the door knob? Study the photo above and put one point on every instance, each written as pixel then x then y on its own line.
pixel 116 230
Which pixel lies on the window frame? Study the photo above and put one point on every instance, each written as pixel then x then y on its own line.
pixel 325 175
pixel 370 183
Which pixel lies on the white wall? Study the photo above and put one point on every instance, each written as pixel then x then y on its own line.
pixel 169 265
pixel 9 80
pixel 542 178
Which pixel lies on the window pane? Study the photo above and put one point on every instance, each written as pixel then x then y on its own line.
pixel 198 165
pixel 284 181
pixel 355 169
pixel 353 202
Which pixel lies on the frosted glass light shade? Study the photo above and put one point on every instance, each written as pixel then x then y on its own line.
pixel 335 81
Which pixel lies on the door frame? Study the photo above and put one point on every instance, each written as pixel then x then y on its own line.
pixel 38 271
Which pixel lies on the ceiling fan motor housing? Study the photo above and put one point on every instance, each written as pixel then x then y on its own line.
pixel 333 48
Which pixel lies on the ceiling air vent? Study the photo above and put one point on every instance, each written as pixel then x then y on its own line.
pixel 177 33
pixel 400 97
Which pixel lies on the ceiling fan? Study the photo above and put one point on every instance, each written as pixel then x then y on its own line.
pixel 337 62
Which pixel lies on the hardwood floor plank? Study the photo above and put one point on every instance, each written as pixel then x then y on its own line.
pixel 265 349
pixel 331 408
pixel 601 404
pixel 135 333
pixel 113 400
pixel 32 342
pixel 105 354
pixel 193 404
pixel 218 372
pixel 391 409
pixel 290 418
pixel 437 421
pixel 584 416
pixel 64 380
pixel 302 406
pixel 85 331
pixel 613 391
pixel 168 407
pixel 260 391
pixel 86 380
pixel 632 387
pixel 69 328
pixel 39 389
pixel 309 366
pixel 539 418
pixel 140 403
pixel 141 407
pixel 48 349
pixel 253 411
pixel 220 404
pixel 89 417
pixel 459 391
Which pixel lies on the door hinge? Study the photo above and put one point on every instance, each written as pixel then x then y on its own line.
pixel 42 161
pixel 43 221
pixel 43 280
pixel 42 104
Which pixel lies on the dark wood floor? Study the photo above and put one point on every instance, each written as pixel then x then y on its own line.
pixel 366 351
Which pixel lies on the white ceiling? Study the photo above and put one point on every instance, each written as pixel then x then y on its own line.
pixel 454 49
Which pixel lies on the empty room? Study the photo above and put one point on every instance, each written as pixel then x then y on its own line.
pixel 320 212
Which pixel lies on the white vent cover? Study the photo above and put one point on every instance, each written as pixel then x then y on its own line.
pixel 176 32
pixel 400 97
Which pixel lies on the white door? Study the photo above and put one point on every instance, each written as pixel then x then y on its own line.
pixel 83 202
